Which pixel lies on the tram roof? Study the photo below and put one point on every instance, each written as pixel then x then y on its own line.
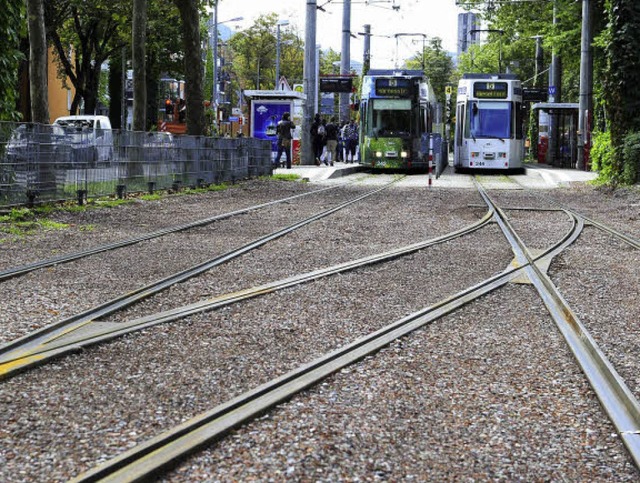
pixel 490 76
pixel 396 72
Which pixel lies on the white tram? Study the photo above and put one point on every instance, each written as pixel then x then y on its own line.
pixel 489 128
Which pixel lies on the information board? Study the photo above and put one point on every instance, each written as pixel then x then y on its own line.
pixel 336 84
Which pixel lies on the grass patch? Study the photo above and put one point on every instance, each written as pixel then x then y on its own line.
pixel 286 177
pixel 23 228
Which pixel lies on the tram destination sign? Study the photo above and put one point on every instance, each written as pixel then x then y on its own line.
pixel 490 90
pixel 393 87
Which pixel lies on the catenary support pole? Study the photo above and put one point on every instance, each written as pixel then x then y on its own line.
pixel 555 95
pixel 366 61
pixel 345 58
pixel 214 93
pixel 586 86
pixel 309 82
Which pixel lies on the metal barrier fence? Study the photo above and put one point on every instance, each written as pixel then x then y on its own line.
pixel 51 163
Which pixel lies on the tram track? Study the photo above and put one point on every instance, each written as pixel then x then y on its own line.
pixel 75 334
pixel 166 449
pixel 163 451
pixel 40 264
pixel 21 348
pixel 616 398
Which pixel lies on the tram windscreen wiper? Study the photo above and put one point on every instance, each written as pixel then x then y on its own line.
pixel 489 136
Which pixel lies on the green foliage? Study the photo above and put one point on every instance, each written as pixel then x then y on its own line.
pixel 12 25
pixel 631 158
pixel 438 66
pixel 602 153
pixel 622 77
pixel 253 55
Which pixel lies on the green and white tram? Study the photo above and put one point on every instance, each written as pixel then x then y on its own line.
pixel 397 109
pixel 489 125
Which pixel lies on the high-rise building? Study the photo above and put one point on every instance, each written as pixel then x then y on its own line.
pixel 467 22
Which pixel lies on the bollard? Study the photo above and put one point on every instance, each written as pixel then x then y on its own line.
pixel 31 197
pixel 430 170
pixel 151 186
pixel 82 196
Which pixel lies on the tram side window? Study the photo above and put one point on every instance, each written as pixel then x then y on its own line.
pixel 460 121
pixel 489 119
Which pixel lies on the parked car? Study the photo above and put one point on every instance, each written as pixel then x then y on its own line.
pixel 37 143
pixel 90 137
pixel 159 146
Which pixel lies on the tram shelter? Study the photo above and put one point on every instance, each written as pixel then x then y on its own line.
pixel 558 134
pixel 266 109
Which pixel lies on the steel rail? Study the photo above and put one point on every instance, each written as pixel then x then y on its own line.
pixel 21 270
pixel 162 451
pixel 634 242
pixel 166 449
pixel 621 236
pixel 14 348
pixel 616 398
pixel 69 341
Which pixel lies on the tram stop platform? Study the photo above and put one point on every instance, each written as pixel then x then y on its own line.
pixel 322 172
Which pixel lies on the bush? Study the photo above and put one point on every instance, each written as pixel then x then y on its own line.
pixel 602 154
pixel 631 158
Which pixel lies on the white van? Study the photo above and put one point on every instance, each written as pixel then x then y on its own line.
pixel 89 135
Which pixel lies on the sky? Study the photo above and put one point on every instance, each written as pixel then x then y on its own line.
pixel 434 18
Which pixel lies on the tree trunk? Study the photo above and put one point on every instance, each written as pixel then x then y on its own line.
pixel 138 60
pixel 38 84
pixel 189 14
pixel 115 91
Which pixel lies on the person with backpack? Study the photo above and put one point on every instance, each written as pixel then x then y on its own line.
pixel 283 130
pixel 317 136
pixel 350 135
pixel 332 141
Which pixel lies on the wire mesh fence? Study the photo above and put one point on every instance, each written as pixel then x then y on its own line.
pixel 41 163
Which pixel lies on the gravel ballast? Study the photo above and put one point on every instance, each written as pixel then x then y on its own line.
pixel 489 392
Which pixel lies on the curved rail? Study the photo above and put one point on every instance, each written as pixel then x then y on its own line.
pixel 616 398
pixel 21 270
pixel 634 242
pixel 17 347
pixel 164 450
pixel 76 338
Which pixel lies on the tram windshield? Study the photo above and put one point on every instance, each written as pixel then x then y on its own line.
pixel 489 119
pixel 391 118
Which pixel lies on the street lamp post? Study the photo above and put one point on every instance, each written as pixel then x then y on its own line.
pixel 278 25
pixel 214 39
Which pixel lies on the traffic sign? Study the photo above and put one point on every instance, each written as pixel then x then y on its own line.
pixel 552 90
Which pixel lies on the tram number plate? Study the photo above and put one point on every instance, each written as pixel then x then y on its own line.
pixel 480 163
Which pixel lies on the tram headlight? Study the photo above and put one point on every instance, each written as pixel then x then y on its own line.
pixel 475 154
pixel 378 154
pixel 502 155
pixel 404 154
